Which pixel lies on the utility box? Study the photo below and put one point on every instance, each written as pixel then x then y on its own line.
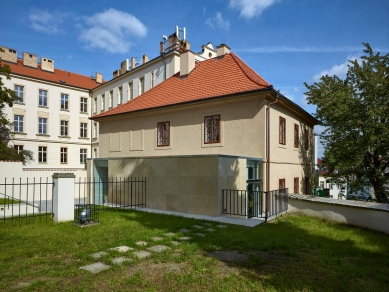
pixel 86 214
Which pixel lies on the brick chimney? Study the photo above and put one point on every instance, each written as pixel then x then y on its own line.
pixel 222 50
pixel 123 66
pixel 185 45
pixel 187 63
pixel 132 62
pixel 173 41
pixel 145 59
pixel 47 65
pixel 9 55
pixel 116 73
pixel 161 47
pixel 99 77
pixel 30 60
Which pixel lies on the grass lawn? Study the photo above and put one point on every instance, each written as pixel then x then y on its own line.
pixel 292 253
pixel 8 201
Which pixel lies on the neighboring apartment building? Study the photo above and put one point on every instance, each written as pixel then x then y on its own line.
pixel 199 132
pixel 51 117
pixel 336 191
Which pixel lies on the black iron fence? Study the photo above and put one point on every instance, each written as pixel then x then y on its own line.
pixel 254 203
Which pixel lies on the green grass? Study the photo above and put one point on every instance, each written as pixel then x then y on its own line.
pixel 8 201
pixel 292 253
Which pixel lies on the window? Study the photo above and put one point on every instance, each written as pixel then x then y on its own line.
pixel 64 101
pixel 296 136
pixel 95 104
pixel 282 131
pixel 42 154
pixel 130 91
pixel 19 90
pixel 110 99
pixel 84 105
pixel 103 102
pixel 83 130
pixel 306 146
pixel 296 185
pixel 82 155
pixel 42 126
pixel 18 148
pixel 322 184
pixel 212 129
pixel 151 79
pixel 141 85
pixel 18 123
pixel 64 128
pixel 64 155
pixel 94 130
pixel 42 97
pixel 120 95
pixel 163 134
pixel 281 184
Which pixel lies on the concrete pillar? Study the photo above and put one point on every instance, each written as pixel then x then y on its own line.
pixel 63 197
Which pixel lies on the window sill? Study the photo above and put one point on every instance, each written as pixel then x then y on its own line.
pixel 39 162
pixel 64 110
pixel 43 135
pixel 21 103
pixel 19 133
pixel 83 138
pixel 282 146
pixel 68 137
pixel 83 113
pixel 102 111
pixel 43 106
pixel 94 139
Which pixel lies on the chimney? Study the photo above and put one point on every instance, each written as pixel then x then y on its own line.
pixel 99 77
pixel 145 59
pixel 9 55
pixel 173 41
pixel 30 60
pixel 47 65
pixel 187 63
pixel 123 66
pixel 116 73
pixel 132 62
pixel 222 50
pixel 185 45
pixel 161 47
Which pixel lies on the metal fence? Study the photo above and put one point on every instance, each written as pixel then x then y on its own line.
pixel 254 203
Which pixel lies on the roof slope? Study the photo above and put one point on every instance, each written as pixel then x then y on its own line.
pixel 211 78
pixel 71 79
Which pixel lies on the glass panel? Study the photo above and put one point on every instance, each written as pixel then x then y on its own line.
pixel 159 134
pixel 207 130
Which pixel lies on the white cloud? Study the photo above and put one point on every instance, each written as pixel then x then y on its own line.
pixel 47 22
pixel 338 70
pixel 284 49
pixel 111 30
pixel 251 8
pixel 287 94
pixel 218 21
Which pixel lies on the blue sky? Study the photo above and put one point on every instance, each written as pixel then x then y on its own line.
pixel 288 42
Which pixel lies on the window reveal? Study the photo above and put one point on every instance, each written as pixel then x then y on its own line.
pixel 212 129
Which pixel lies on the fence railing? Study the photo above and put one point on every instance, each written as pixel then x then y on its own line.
pixel 254 203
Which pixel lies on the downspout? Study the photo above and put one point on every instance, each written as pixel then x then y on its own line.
pixel 268 141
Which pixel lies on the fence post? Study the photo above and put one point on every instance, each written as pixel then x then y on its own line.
pixel 266 205
pixel 63 197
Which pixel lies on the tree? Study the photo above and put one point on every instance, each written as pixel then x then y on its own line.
pixel 355 112
pixel 7 97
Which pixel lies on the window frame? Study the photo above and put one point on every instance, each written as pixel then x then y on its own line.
pixel 94 129
pixel 21 92
pixel 83 130
pixel 44 126
pixel 83 105
pixel 296 136
pixel 64 128
pixel 120 94
pixel 95 104
pixel 281 182
pixel 130 90
pixel 83 155
pixel 64 155
pixel 151 79
pixel 212 129
pixel 102 102
pixel 282 131
pixel 163 137
pixel 296 182
pixel 18 148
pixel 42 97
pixel 18 125
pixel 42 154
pixel 64 102
pixel 141 85
pixel 110 99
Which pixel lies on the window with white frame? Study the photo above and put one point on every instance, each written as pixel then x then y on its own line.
pixel 42 97
pixel 152 79
pixel 42 154
pixel 103 102
pixel 83 130
pixel 18 123
pixel 83 155
pixel 120 94
pixel 130 91
pixel 95 104
pixel 110 100
pixel 64 128
pixel 64 101
pixel 18 148
pixel 212 129
pixel 141 85
pixel 94 130
pixel 64 155
pixel 84 105
pixel 42 126
pixel 19 91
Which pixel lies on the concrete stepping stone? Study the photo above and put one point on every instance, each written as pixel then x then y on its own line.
pixel 157 238
pixel 175 242
pixel 120 260
pixel 185 238
pixel 141 243
pixel 158 248
pixel 221 226
pixel 200 234
pixel 99 254
pixel 184 230
pixel 210 229
pixel 142 254
pixel 170 234
pixel 174 268
pixel 96 267
pixel 198 226
pixel 121 248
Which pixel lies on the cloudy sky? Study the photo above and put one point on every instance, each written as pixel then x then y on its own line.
pixel 288 42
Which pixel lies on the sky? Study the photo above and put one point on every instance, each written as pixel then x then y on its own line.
pixel 287 42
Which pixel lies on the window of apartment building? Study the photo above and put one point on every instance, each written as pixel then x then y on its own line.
pixel 296 136
pixel 64 101
pixel 42 154
pixel 18 148
pixel 83 130
pixel 18 123
pixel 19 91
pixel 151 79
pixel 281 184
pixel 84 105
pixel 64 128
pixel 282 131
pixel 42 97
pixel 83 155
pixel 212 129
pixel 163 134
pixel 94 130
pixel 95 104
pixel 103 102
pixel 42 126
pixel 64 155
pixel 306 144
pixel 296 185
pixel 130 91
pixel 120 94
pixel 141 85
pixel 110 99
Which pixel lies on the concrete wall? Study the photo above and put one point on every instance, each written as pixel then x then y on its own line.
pixel 363 214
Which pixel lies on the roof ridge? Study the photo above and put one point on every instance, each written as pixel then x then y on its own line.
pixel 238 61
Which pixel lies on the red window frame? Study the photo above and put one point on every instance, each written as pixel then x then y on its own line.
pixel 163 137
pixel 306 146
pixel 296 136
pixel 282 131
pixel 212 126
pixel 296 185
pixel 281 184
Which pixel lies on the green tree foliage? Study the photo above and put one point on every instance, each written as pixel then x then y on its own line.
pixel 355 112
pixel 7 97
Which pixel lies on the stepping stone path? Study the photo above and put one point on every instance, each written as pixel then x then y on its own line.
pixel 185 238
pixel 99 254
pixel 197 226
pixel 200 234
pixel 170 234
pixel 210 229
pixel 141 243
pixel 158 248
pixel 175 242
pixel 96 267
pixel 174 268
pixel 121 248
pixel 142 254
pixel 119 261
pixel 221 226
pixel 157 238
pixel 184 230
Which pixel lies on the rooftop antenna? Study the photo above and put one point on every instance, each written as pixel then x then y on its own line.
pixel 181 33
